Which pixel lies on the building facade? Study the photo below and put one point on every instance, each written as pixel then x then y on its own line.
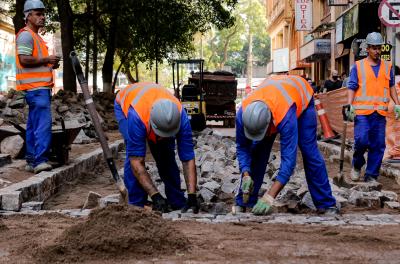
pixel 7 51
pixel 334 41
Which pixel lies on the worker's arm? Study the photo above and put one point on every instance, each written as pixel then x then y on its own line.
pixel 186 153
pixel 352 85
pixel 141 174
pixel 135 139
pixel 288 138
pixel 30 61
pixel 24 45
pixel 243 146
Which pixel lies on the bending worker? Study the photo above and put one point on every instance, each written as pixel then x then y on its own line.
pixel 148 112
pixel 371 81
pixel 284 105
pixel 35 76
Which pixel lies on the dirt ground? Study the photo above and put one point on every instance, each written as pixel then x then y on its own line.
pixel 15 172
pixel 24 236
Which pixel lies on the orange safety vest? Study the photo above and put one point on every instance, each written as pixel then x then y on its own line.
pixel 29 78
pixel 280 93
pixel 141 96
pixel 373 92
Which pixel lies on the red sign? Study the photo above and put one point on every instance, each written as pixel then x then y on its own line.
pixel 389 13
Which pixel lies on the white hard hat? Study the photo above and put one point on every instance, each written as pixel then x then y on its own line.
pixel 32 5
pixel 165 118
pixel 374 38
pixel 256 118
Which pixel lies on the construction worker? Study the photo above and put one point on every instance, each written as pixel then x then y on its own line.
pixel 148 112
pixel 35 77
pixel 284 105
pixel 371 81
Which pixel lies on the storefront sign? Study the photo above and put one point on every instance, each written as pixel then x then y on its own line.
pixel 338 2
pixel 350 22
pixel 386 52
pixel 339 29
pixel 359 48
pixel 303 15
pixel 315 47
pixel 280 59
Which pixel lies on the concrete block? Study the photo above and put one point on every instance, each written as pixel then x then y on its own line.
pixel 92 200
pixel 107 200
pixel 392 205
pixel 11 201
pixel 206 194
pixel 212 186
pixel 228 187
pixel 32 206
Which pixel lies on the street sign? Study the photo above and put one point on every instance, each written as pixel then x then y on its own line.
pixel 389 13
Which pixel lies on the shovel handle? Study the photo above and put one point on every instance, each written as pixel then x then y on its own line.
pixel 94 115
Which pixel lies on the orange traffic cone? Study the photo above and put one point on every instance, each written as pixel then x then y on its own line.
pixel 324 121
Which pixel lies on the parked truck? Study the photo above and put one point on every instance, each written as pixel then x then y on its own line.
pixel 207 95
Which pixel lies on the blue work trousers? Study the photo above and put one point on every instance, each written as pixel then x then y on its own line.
pixel 38 127
pixel 314 165
pixel 164 155
pixel 369 134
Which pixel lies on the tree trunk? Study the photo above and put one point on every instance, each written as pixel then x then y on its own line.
pixel 137 71
pixel 226 45
pixel 87 62
pixel 67 42
pixel 115 77
pixel 156 70
pixel 95 50
pixel 18 18
pixel 107 69
pixel 250 60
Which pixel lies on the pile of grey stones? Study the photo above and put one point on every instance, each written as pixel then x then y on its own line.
pixel 65 105
pixel 219 179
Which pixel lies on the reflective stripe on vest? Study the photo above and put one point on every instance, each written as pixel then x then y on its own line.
pixel 31 78
pixel 279 86
pixel 371 107
pixel 143 91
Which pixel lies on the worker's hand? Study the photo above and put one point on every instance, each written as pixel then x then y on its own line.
pixel 397 111
pixel 191 203
pixel 160 204
pixel 52 59
pixel 263 205
pixel 56 66
pixel 247 188
pixel 348 112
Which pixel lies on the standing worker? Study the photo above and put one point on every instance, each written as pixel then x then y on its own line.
pixel 148 112
pixel 284 105
pixel 371 81
pixel 35 77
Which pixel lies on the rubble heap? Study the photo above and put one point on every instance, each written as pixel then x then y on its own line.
pixel 66 105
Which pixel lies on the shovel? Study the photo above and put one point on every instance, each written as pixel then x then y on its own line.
pixel 97 126
pixel 339 180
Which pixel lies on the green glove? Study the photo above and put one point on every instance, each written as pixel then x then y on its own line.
pixel 263 205
pixel 397 111
pixel 247 188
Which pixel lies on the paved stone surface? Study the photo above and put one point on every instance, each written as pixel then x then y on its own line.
pixel 4 159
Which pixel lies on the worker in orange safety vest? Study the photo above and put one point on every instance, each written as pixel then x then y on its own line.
pixel 34 75
pixel 370 85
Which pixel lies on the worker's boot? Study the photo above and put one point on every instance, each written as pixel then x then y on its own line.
pixel 355 174
pixel 330 211
pixel 42 167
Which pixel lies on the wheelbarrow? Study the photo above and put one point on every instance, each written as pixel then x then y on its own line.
pixel 61 140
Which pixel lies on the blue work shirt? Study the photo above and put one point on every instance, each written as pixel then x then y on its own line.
pixel 287 129
pixel 353 81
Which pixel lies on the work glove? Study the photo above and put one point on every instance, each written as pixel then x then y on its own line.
pixel 191 203
pixel 160 204
pixel 348 112
pixel 397 111
pixel 263 205
pixel 247 188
